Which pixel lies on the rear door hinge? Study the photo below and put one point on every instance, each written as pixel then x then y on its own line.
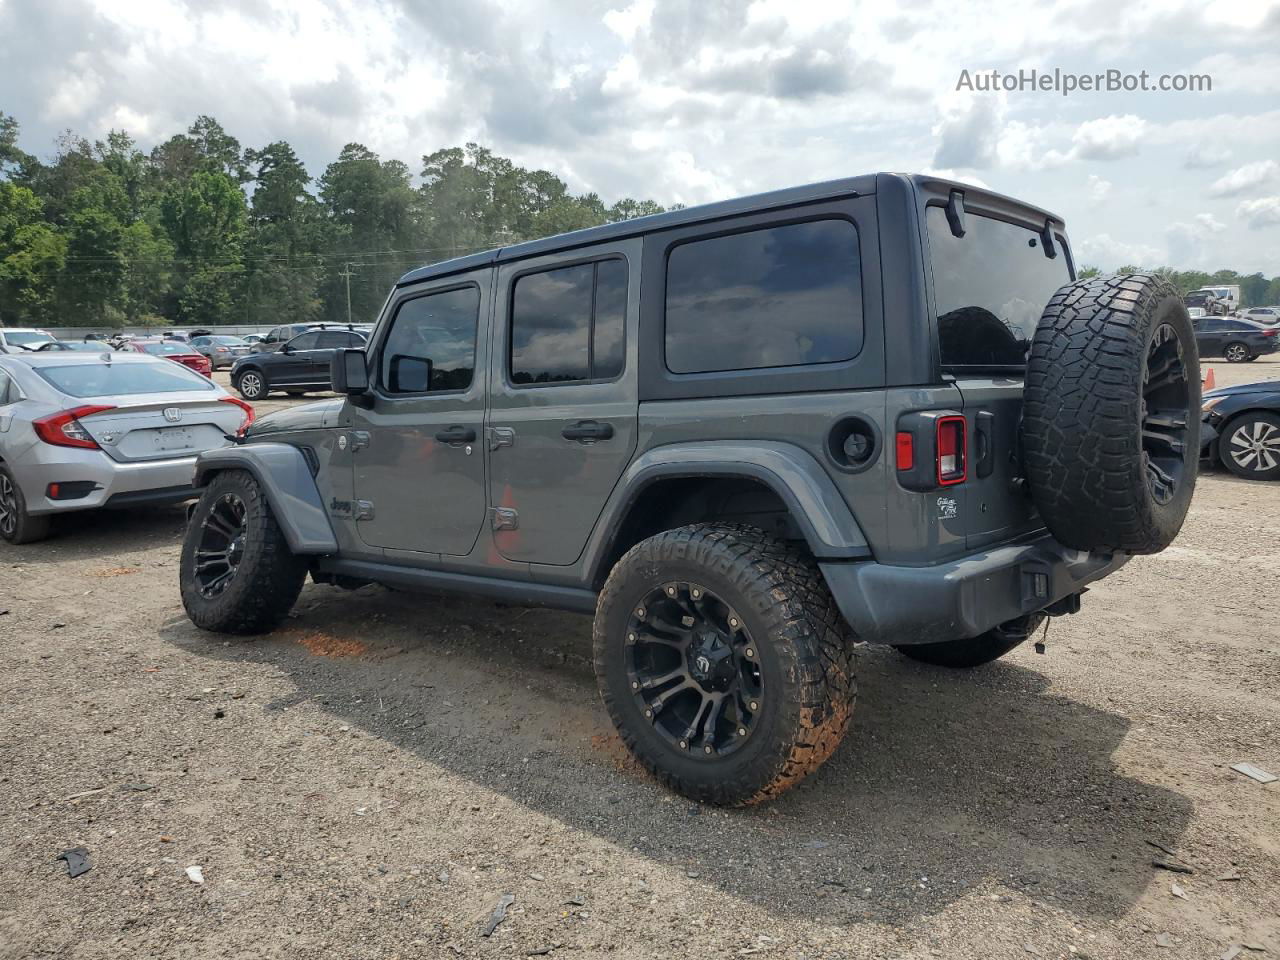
pixel 364 510
pixel 501 437
pixel 505 518
pixel 359 439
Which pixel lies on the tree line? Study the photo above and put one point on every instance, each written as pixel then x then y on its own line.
pixel 202 231
pixel 1256 290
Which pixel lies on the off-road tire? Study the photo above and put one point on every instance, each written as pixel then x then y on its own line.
pixel 974 651
pixel 1236 353
pixel 1254 468
pixel 18 525
pixel 805 653
pixel 269 577
pixel 1085 420
pixel 258 388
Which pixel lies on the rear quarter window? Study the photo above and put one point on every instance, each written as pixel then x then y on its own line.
pixel 779 296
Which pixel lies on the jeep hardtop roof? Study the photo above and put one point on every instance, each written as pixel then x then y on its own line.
pixel 864 185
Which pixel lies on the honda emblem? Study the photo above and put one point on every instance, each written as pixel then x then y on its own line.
pixel 172 414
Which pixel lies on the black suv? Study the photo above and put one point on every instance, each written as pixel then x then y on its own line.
pixel 742 436
pixel 299 366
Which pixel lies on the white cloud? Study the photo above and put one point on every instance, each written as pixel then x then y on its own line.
pixel 1243 179
pixel 627 21
pixel 1259 213
pixel 1202 156
pixel 1104 251
pixel 1098 189
pixel 1207 221
pixel 1108 138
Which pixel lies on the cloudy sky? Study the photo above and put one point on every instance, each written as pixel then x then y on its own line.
pixel 696 100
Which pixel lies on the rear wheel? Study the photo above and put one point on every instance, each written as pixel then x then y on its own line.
pixel 1250 446
pixel 723 662
pixel 252 384
pixel 237 573
pixel 1236 353
pixel 16 524
pixel 975 651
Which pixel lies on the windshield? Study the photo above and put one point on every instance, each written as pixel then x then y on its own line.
pixel 165 349
pixel 26 338
pixel 122 379
pixel 228 341
pixel 990 287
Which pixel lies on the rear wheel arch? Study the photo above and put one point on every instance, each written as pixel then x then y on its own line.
pixel 668 491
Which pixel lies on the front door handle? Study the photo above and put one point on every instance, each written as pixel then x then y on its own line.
pixel 587 431
pixel 457 434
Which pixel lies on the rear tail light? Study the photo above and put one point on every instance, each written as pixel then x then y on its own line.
pixel 249 415
pixel 1270 332
pixel 953 465
pixel 65 429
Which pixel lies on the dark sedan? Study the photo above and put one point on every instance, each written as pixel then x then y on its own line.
pixel 1241 429
pixel 1235 340
pixel 301 365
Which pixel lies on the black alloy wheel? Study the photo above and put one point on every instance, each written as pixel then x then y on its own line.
pixel 1166 414
pixel 221 547
pixel 694 670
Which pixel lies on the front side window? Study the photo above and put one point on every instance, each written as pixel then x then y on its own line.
pixel 990 288
pixel 305 341
pixel 432 344
pixel 773 297
pixel 568 325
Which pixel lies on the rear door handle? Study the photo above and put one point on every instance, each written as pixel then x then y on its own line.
pixel 457 434
pixel 587 431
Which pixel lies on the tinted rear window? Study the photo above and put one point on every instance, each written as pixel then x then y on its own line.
pixel 775 297
pixel 122 379
pixel 166 349
pixel 990 288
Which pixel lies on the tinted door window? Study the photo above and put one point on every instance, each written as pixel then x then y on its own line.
pixel 334 339
pixel 775 297
pixel 568 325
pixel 306 341
pixel 435 333
pixel 4 389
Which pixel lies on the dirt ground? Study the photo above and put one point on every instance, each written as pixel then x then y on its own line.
pixel 369 780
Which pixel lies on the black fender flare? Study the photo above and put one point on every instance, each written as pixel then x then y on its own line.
pixel 285 476
pixel 826 520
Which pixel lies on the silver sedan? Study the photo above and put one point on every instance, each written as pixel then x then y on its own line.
pixel 222 351
pixel 85 430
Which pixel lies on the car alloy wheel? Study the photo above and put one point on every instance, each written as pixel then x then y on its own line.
pixel 8 507
pixel 694 670
pixel 1255 446
pixel 1236 353
pixel 221 546
pixel 250 385
pixel 1166 414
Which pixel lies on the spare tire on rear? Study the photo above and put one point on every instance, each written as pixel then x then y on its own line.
pixel 1111 415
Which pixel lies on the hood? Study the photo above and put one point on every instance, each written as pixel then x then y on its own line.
pixel 306 416
pixel 1264 386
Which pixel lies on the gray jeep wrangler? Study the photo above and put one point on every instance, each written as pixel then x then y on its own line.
pixel 744 436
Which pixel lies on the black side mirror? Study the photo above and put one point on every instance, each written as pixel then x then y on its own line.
pixel 349 372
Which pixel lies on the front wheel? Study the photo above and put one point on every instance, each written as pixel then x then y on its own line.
pixel 974 651
pixel 1250 447
pixel 237 574
pixel 723 661
pixel 252 385
pixel 16 524
pixel 1236 353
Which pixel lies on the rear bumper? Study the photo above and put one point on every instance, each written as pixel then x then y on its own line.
pixel 963 598
pixel 115 484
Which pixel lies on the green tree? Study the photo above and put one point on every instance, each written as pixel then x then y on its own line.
pixel 286 231
pixel 205 219
pixel 32 255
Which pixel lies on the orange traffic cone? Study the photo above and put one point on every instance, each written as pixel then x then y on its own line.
pixel 1207 383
